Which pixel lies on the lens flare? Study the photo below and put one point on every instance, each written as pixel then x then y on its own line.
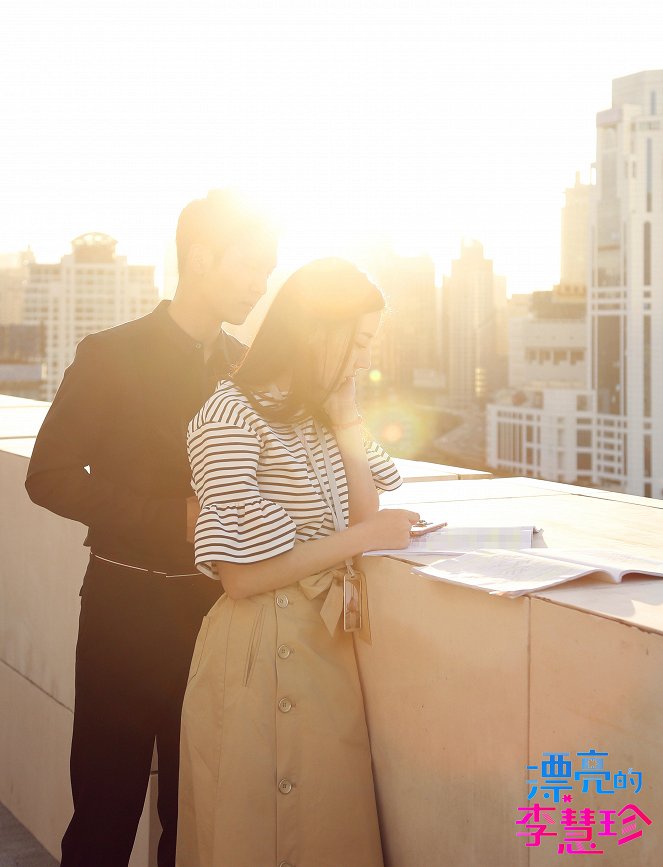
pixel 399 425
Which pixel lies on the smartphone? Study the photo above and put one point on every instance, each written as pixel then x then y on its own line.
pixel 428 528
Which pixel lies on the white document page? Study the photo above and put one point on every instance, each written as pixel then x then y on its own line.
pixel 458 540
pixel 616 563
pixel 508 573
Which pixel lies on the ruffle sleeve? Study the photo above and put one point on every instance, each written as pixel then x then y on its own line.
pixel 236 524
pixel 246 533
pixel 385 475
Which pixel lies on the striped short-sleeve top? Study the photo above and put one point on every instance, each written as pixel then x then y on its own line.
pixel 257 489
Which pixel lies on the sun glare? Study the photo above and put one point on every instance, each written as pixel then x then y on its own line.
pixel 417 121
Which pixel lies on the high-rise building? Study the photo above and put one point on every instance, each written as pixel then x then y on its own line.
pixel 574 240
pixel 625 292
pixel 14 270
pixel 541 424
pixel 89 290
pixel 611 431
pixel 406 349
pixel 547 352
pixel 399 399
pixel 21 361
pixel 474 326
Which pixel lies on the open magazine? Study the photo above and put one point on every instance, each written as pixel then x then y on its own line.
pixel 513 573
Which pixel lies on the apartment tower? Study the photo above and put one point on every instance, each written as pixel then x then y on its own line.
pixel 89 290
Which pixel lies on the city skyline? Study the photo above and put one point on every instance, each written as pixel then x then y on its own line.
pixel 426 125
pixel 601 423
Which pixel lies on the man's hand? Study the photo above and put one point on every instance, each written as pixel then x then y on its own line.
pixel 192 512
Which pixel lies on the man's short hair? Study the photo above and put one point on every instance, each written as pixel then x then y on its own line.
pixel 223 218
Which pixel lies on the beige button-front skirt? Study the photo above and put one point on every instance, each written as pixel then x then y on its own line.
pixel 275 759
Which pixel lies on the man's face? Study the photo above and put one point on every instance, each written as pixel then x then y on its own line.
pixel 236 279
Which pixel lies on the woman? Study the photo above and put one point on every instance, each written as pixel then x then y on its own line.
pixel 275 758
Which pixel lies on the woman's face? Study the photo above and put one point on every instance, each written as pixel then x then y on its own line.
pixel 335 349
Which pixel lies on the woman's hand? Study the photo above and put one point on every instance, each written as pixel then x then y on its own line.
pixel 389 529
pixel 341 404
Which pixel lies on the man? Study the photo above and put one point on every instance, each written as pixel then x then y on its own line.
pixel 112 454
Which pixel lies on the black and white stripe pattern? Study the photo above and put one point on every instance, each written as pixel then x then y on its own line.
pixel 258 493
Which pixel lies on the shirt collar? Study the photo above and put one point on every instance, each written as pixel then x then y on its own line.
pixel 176 335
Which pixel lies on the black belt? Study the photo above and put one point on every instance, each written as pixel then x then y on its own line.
pixel 143 569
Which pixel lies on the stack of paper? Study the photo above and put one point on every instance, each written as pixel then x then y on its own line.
pixel 458 540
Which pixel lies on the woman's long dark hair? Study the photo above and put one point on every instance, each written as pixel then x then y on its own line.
pixel 325 297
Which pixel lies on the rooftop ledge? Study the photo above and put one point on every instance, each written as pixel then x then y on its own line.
pixel 463 690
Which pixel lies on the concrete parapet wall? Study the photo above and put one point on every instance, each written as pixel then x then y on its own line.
pixel 41 572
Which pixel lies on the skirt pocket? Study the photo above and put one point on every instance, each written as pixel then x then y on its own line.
pixel 199 647
pixel 254 645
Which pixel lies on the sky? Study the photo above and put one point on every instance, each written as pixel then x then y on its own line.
pixel 421 122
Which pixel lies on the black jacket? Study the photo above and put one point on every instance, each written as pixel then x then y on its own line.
pixel 122 411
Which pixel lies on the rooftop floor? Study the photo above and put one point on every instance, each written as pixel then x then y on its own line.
pixel 18 848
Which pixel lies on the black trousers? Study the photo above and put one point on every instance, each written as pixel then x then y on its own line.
pixel 136 636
